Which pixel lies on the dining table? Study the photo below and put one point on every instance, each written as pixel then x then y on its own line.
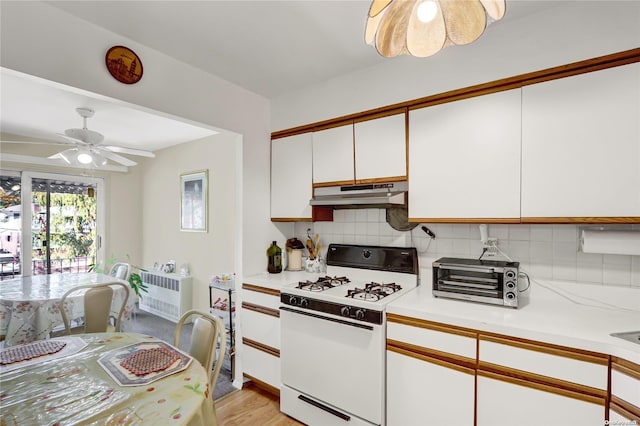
pixel 30 306
pixel 104 379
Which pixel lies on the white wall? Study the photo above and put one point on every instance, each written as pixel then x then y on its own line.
pixel 40 40
pixel 573 31
pixel 545 252
pixel 206 253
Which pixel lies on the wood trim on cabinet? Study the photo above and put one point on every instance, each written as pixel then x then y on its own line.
pixel 259 289
pixel 381 180
pixel 453 362
pixel 581 219
pixel 543 383
pixel 261 309
pixel 623 366
pixel 430 325
pixel 262 385
pixel 465 220
pixel 567 70
pixel 547 348
pixel 291 219
pixel 261 347
pixel 625 409
pixel 380 114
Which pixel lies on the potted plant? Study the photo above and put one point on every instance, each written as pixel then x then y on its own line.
pixel 135 280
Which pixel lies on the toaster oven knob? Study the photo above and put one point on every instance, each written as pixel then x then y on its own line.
pixel 345 311
pixel 304 303
pixel 511 296
pixel 510 274
pixel 293 300
pixel 510 285
pixel 360 314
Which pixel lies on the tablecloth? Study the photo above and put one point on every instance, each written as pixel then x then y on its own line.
pixel 76 390
pixel 30 306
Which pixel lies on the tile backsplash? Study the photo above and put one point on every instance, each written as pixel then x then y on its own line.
pixel 544 251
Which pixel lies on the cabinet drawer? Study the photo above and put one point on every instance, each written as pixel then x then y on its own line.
pixel 260 327
pixel 431 335
pixel 261 365
pixel 262 296
pixel 583 368
pixel 625 388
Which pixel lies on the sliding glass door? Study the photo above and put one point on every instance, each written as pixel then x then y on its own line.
pixel 54 223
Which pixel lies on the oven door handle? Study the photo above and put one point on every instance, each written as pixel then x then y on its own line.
pixel 339 321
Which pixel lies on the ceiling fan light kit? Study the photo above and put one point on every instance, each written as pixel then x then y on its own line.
pixel 423 27
pixel 88 151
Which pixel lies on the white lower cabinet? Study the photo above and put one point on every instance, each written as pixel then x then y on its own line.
pixel 430 374
pixel 624 407
pixel 261 336
pixel 421 392
pixel 508 404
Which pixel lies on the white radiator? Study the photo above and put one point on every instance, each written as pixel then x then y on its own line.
pixel 168 296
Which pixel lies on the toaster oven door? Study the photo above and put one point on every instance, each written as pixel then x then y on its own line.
pixel 475 283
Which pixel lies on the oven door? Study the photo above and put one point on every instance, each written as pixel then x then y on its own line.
pixel 334 361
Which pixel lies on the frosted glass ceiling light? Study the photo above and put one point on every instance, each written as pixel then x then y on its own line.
pixel 84 157
pixel 423 27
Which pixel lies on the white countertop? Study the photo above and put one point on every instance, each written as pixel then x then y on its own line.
pixel 277 281
pixel 576 315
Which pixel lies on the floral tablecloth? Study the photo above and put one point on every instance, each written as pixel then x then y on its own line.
pixel 75 389
pixel 30 306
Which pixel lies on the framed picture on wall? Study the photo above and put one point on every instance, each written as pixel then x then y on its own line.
pixel 194 187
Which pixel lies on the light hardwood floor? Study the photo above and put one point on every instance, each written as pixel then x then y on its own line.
pixel 251 406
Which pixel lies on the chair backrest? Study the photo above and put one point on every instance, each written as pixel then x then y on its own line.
pixel 97 306
pixel 120 270
pixel 208 334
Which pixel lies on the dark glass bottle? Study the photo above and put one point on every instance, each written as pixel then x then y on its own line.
pixel 274 256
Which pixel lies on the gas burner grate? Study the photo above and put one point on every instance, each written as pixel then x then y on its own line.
pixel 373 291
pixel 313 285
pixel 334 281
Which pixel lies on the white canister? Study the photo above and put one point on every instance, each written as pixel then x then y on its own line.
pixel 295 260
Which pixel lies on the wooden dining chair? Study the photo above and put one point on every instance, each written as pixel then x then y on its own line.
pixel 208 336
pixel 97 302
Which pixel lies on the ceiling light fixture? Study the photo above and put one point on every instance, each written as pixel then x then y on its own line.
pixel 84 157
pixel 423 27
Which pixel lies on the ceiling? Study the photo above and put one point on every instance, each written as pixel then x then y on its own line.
pixel 268 47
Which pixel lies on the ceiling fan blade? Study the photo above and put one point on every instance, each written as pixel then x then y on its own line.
pixel 40 143
pixel 130 151
pixel 117 158
pixel 74 140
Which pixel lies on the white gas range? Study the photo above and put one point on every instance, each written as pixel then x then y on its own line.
pixel 333 335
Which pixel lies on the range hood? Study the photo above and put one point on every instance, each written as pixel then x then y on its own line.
pixel 364 195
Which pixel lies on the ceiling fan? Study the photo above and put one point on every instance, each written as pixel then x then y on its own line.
pixel 88 149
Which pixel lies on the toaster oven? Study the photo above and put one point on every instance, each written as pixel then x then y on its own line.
pixel 485 281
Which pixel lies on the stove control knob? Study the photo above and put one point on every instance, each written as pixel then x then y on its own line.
pixel 293 300
pixel 345 311
pixel 360 314
pixel 304 303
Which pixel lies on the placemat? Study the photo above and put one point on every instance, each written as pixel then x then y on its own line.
pixel 69 346
pixel 30 350
pixel 143 363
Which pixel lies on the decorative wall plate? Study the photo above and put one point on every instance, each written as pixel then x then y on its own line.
pixel 124 65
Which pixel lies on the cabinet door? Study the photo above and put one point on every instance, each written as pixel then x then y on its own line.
pixel 291 186
pixel 333 155
pixel 464 159
pixel 502 403
pixel 581 145
pixel 425 393
pixel 381 148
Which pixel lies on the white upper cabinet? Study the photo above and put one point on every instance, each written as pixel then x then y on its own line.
pixel 381 148
pixel 333 155
pixel 464 159
pixel 291 186
pixel 581 145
